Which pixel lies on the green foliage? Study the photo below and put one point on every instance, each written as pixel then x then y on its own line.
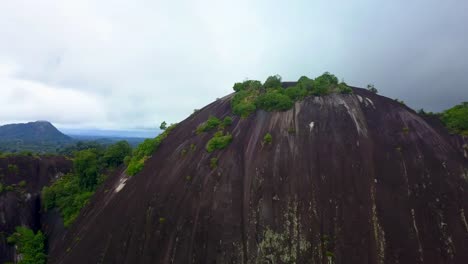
pixel 344 88
pixel 456 119
pixel 2 188
pixel 219 141
pixel 243 102
pixel 272 82
pixel 68 196
pixel 305 83
pixel 213 163
pixel 13 169
pixel 163 125
pixel 227 121
pixel 116 153
pixel 371 88
pixel 248 98
pixel 400 101
pixel 267 139
pixel 145 150
pixel 85 165
pixel 274 100
pixel 211 123
pixel 30 246
pixel 193 147
pixel 9 188
pixel 22 184
pixel 295 93
pixel 71 193
pixel 323 84
pixel 405 130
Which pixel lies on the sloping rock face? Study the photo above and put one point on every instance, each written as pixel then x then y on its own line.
pixel 21 206
pixel 346 179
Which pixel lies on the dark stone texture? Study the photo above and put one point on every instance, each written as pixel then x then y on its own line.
pixel 369 181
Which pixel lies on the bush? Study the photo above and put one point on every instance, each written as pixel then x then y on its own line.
pixel 1 187
pixel 272 82
pixel 163 125
pixel 30 246
pixel 85 165
pixel 243 102
pixel 267 139
pixel 227 121
pixel 371 88
pixel 274 100
pixel 295 93
pixel 249 97
pixel 145 150
pixel 211 123
pixel 456 119
pixel 116 153
pixel 305 83
pixel 344 88
pixel 193 147
pixel 246 85
pixel 67 195
pixel 323 84
pixel 219 141
pixel 213 163
pixel 22 184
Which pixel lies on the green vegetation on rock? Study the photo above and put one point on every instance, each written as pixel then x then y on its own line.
pixel 30 246
pixel 371 88
pixel 219 141
pixel 72 191
pixel 213 163
pixel 137 161
pixel 271 96
pixel 456 119
pixel 267 139
pixel 211 123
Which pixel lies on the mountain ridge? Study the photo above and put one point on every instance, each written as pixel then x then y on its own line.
pixel 38 131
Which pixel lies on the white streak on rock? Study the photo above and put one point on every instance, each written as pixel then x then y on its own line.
pixel 311 126
pixel 122 182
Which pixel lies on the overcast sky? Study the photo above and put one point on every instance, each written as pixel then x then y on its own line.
pixel 132 64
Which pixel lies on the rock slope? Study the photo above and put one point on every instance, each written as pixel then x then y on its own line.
pixel 354 178
pixel 23 178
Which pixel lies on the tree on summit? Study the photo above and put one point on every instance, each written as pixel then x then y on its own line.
pixel 163 125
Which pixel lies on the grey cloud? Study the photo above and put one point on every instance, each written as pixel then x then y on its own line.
pixel 142 62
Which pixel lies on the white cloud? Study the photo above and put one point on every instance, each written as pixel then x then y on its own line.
pixel 25 100
pixel 142 61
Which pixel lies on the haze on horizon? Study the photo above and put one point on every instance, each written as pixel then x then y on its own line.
pixel 132 64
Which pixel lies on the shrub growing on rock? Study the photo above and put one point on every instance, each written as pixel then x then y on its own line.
pixel 29 245
pixel 274 100
pixel 219 141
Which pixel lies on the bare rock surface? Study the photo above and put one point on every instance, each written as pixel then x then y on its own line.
pixel 354 178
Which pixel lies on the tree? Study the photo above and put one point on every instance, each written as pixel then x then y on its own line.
pixel 371 88
pixel 305 83
pixel 163 125
pixel 29 245
pixel 86 167
pixel 456 118
pixel 272 82
pixel 116 153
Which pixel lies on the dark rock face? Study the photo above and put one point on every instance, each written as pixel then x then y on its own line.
pixel 22 205
pixel 347 179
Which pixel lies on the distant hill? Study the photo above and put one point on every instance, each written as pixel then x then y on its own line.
pixel 39 131
pixel 39 136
